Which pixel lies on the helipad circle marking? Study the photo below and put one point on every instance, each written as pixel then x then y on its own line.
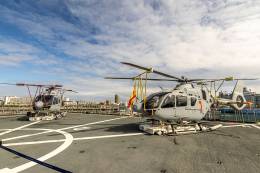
pixel 18 128
pixel 29 135
pixel 67 142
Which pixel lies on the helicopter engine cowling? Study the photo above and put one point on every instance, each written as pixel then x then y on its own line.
pixel 240 102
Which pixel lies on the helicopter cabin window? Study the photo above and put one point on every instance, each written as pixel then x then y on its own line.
pixel 181 101
pixel 55 101
pixel 204 95
pixel 168 102
pixel 193 101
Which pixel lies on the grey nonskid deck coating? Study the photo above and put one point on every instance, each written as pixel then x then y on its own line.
pixel 232 149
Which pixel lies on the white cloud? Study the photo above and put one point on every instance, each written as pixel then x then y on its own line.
pixel 196 38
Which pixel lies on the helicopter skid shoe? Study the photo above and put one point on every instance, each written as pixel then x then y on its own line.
pixel 155 129
pixel 60 115
pixel 63 114
pixel 35 118
pixel 189 129
pixel 176 130
pixel 48 117
pixel 196 128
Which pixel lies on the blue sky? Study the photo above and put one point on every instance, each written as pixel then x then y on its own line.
pixel 78 42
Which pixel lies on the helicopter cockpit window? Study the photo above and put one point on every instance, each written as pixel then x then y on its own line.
pixel 193 101
pixel 181 101
pixel 44 98
pixel 169 102
pixel 204 95
pixel 154 100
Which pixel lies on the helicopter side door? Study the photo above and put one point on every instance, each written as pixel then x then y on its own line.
pixel 194 108
pixel 167 109
pixel 181 107
pixel 55 104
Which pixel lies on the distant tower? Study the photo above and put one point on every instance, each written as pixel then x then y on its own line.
pixel 117 100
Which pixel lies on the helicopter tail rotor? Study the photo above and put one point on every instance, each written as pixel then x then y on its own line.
pixel 238 97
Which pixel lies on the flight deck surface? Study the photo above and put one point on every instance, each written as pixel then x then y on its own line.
pixel 83 143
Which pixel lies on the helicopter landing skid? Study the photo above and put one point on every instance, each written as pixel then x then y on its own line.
pixel 169 129
pixel 45 116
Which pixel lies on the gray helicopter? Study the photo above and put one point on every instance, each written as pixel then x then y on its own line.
pixel 173 111
pixel 46 101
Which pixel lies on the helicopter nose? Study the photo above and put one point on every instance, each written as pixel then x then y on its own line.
pixel 38 104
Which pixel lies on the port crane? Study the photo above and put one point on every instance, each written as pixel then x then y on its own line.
pixel 180 109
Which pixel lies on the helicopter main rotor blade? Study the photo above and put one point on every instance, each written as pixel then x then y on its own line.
pixel 39 85
pixel 33 85
pixel 245 79
pixel 132 78
pixel 69 90
pixel 221 79
pixel 151 70
pixel 7 84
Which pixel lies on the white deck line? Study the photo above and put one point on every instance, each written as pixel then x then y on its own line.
pixel 236 125
pixel 24 136
pixel 256 126
pixel 18 128
pixel 242 125
pixel 71 127
pixel 75 139
pixel 108 136
pixel 67 142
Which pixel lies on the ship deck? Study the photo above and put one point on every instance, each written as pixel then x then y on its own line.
pixel 83 143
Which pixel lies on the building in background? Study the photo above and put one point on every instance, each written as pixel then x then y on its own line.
pixel 252 97
pixel 2 101
pixel 14 100
pixel 117 99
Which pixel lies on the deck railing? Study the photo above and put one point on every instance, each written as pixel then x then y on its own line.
pixel 88 108
pixel 227 114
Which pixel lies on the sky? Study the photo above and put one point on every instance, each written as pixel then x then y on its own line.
pixel 78 42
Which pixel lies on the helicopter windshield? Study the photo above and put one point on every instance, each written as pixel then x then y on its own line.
pixel 154 100
pixel 44 98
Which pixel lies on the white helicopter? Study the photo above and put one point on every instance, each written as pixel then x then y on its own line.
pixel 173 111
pixel 46 101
